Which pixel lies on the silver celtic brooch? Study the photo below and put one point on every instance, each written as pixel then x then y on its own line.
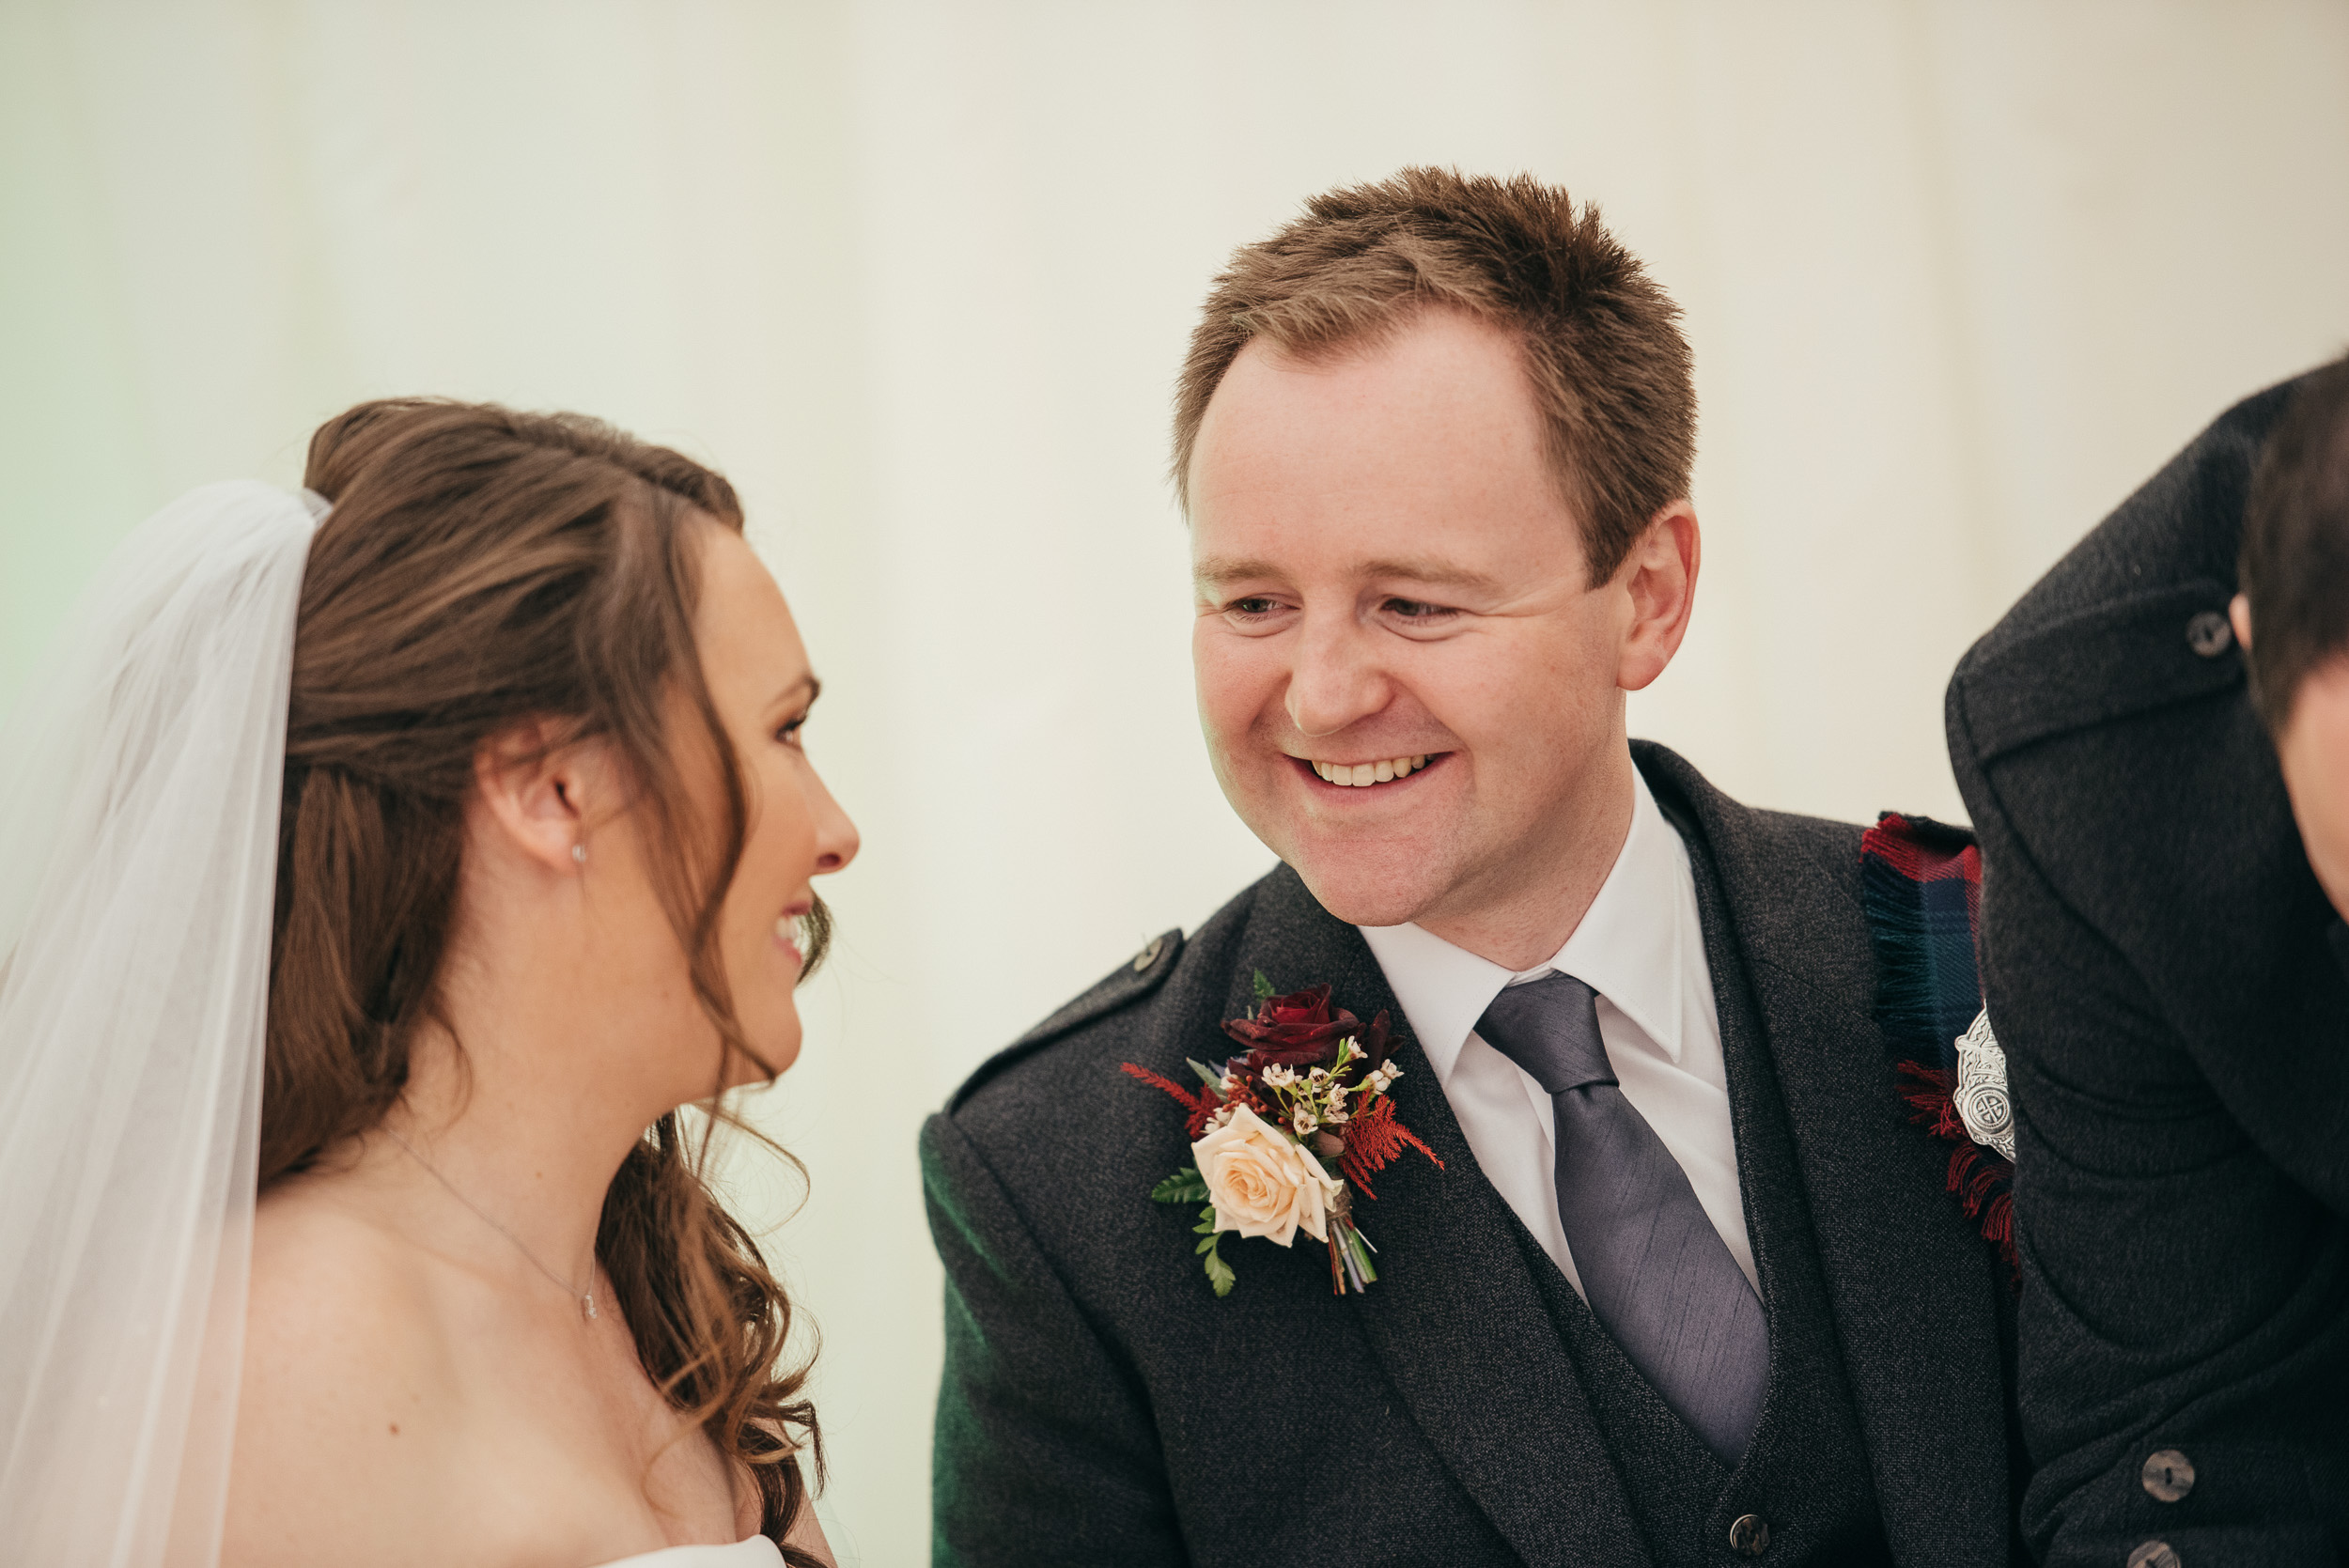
pixel 1981 1097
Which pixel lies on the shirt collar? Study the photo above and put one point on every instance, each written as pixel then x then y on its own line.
pixel 1628 948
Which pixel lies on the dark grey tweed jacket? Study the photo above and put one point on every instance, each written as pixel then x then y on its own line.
pixel 1101 1406
pixel 2160 965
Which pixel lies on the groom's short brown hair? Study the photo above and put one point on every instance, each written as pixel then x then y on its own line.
pixel 1603 352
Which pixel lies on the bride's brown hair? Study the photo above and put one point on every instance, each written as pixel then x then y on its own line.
pixel 483 569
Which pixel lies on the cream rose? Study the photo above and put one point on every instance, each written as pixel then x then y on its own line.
pixel 1262 1182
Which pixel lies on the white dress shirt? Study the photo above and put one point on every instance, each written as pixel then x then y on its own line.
pixel 1641 947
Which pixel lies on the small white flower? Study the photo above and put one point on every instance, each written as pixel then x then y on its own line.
pixel 1303 1121
pixel 1278 1076
pixel 1230 1085
pixel 1337 1111
pixel 1321 1075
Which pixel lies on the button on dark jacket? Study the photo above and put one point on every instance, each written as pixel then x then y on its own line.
pixel 2162 968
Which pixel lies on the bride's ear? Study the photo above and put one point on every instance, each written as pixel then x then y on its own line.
pixel 541 794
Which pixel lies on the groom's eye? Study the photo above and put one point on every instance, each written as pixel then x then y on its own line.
pixel 1417 610
pixel 1251 606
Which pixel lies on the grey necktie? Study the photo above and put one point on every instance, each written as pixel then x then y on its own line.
pixel 1655 1272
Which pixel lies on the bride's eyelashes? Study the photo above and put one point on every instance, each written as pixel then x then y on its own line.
pixel 789 730
pixel 807 688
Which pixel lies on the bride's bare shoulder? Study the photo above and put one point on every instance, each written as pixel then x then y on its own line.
pixel 337 1290
pixel 348 1395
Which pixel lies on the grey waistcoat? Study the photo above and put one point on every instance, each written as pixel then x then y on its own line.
pixel 1805 1474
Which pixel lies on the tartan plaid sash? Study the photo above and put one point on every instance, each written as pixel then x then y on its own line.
pixel 1921 889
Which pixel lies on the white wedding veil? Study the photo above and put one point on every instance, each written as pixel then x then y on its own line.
pixel 139 788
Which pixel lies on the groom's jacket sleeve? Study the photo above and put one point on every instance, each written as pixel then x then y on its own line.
pixel 1044 1451
pixel 2154 963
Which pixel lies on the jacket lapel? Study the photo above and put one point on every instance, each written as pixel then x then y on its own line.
pixel 1455 1316
pixel 1915 1291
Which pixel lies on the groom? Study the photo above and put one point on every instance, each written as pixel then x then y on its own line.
pixel 1685 1288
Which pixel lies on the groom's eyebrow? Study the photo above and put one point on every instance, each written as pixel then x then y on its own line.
pixel 1436 574
pixel 1216 570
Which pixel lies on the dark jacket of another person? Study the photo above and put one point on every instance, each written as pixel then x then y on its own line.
pixel 2167 981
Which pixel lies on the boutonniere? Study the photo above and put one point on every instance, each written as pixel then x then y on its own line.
pixel 1282 1133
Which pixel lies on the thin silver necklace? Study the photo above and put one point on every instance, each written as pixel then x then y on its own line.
pixel 586 1298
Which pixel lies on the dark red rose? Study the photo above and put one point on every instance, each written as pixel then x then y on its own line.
pixel 1299 1029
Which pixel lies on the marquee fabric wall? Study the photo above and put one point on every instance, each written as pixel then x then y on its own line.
pixel 918 277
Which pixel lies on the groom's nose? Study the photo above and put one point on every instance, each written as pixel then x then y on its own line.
pixel 1336 679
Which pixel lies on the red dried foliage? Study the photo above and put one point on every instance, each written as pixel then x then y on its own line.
pixel 1372 1141
pixel 1199 1104
pixel 1248 1090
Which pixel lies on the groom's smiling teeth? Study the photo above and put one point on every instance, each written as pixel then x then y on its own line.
pixel 1362 774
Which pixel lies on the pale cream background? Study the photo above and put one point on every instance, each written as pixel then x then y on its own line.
pixel 918 277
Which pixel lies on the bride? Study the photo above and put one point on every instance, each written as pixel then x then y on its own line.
pixel 376 895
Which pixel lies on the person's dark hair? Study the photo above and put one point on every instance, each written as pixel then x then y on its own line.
pixel 1604 356
pixel 481 570
pixel 2295 568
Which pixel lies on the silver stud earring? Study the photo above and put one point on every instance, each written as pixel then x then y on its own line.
pixel 578 853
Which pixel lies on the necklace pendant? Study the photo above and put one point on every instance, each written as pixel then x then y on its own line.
pixel 588 1307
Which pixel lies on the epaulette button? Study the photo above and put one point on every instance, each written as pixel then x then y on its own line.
pixel 2208 633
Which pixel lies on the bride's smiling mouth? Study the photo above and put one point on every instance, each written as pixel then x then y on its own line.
pixel 1368 775
pixel 791 931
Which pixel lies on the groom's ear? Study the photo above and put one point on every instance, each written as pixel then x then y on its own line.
pixel 540 793
pixel 1658 581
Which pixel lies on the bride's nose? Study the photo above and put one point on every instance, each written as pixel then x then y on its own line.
pixel 836 838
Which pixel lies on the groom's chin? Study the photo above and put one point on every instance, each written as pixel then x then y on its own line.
pixel 1360 892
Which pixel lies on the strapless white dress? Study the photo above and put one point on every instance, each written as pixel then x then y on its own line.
pixel 757 1552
